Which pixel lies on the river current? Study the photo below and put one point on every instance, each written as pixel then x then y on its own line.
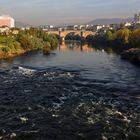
pixel 74 93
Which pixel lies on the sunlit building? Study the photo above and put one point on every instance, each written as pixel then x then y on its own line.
pixel 137 18
pixel 6 20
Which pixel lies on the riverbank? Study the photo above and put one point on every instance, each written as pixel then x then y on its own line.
pixel 4 55
pixel 122 40
pixel 133 55
pixel 33 39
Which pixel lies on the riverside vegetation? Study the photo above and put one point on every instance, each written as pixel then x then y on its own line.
pixel 25 41
pixel 124 40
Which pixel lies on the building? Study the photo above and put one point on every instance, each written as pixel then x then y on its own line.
pixel 75 27
pixel 115 26
pixel 137 18
pixel 6 20
pixel 127 24
pixel 82 27
pixel 137 26
pixel 4 30
pixel 70 27
pixel 95 28
pixel 14 30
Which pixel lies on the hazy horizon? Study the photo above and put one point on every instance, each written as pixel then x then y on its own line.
pixel 39 12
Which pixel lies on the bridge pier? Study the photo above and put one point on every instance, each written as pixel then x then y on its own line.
pixel 62 39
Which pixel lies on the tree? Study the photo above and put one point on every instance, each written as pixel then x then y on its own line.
pixel 109 37
pixel 122 36
pixel 122 26
pixel 90 38
pixel 135 38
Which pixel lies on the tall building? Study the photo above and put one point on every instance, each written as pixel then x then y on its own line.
pixel 6 20
pixel 137 18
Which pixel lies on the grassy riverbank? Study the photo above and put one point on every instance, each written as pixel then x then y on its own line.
pixel 28 40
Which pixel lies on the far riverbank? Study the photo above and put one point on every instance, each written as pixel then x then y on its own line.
pixel 33 39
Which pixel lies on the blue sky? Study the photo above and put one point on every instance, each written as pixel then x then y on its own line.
pixel 38 12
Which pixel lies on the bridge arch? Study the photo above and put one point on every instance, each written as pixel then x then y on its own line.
pixel 73 36
pixel 63 34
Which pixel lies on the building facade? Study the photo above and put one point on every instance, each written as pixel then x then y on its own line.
pixel 137 18
pixel 6 20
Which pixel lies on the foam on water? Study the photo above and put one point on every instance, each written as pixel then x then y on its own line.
pixel 25 70
pixel 40 100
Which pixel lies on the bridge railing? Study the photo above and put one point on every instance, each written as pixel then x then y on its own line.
pixel 64 30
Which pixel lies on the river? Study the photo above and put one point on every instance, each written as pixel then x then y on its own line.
pixel 74 93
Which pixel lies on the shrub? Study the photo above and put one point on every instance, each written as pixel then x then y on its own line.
pixel 135 38
pixel 5 49
pixel 47 48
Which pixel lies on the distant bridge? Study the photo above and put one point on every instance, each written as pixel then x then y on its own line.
pixel 63 34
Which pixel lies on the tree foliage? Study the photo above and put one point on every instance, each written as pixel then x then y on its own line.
pixel 121 37
pixel 27 40
pixel 135 38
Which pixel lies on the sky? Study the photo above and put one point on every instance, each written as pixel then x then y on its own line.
pixel 55 12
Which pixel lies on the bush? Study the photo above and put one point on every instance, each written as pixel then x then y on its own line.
pixel 52 41
pixel 47 48
pixel 32 39
pixel 135 38
pixel 5 49
pixel 122 36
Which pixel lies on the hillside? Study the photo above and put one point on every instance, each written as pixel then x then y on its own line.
pixel 110 21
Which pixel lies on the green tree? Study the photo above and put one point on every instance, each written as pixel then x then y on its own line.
pixel 52 40
pixel 122 36
pixel 122 26
pixel 135 38
pixel 109 37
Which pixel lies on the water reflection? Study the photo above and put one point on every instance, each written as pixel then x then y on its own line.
pixel 75 46
pixel 68 54
pixel 79 47
pixel 6 63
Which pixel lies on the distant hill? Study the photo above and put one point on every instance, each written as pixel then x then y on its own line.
pixel 110 21
pixel 21 24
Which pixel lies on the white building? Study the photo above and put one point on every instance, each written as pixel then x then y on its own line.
pixel 4 30
pixel 127 24
pixel 97 27
pixel 6 20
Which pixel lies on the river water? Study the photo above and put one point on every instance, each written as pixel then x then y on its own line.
pixel 74 93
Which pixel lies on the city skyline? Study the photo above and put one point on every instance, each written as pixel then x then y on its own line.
pixel 37 12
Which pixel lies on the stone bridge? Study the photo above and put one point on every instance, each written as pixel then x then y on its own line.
pixel 63 34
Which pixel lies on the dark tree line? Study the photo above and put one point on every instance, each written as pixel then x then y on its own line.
pixel 123 37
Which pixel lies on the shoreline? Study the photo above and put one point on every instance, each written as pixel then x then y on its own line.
pixel 132 55
pixel 12 55
pixel 33 39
